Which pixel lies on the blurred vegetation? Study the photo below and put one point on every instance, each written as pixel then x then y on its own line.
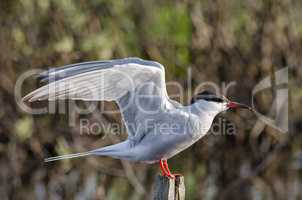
pixel 222 41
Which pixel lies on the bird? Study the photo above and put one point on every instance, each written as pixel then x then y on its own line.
pixel 158 127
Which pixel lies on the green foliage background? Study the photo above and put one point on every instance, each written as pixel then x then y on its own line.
pixel 222 41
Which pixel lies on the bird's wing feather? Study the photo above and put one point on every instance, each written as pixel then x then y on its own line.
pixel 127 81
pixel 99 80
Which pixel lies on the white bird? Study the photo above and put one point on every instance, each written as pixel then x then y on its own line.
pixel 158 127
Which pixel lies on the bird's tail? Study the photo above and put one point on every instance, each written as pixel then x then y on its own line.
pixel 67 156
pixel 116 151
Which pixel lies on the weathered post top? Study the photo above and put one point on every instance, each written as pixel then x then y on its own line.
pixel 169 189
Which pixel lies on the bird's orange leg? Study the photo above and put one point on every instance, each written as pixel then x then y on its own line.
pixel 169 174
pixel 162 168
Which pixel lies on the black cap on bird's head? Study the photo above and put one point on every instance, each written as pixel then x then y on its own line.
pixel 208 96
pixel 212 97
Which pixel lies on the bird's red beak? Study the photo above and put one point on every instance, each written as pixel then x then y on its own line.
pixel 234 105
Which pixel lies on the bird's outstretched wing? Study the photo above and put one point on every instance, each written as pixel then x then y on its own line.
pixel 138 86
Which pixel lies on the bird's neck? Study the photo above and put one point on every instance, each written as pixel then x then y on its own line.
pixel 203 117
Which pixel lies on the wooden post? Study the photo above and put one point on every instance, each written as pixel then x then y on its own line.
pixel 169 189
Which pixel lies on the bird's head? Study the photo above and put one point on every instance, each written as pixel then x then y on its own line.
pixel 217 103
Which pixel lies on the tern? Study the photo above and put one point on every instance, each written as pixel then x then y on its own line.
pixel 158 127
